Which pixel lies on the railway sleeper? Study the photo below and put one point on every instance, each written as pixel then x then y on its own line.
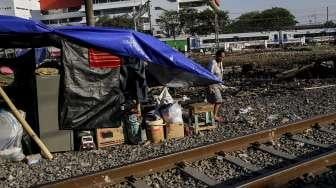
pixel 196 174
pixel 137 183
pixel 277 153
pixel 327 130
pixel 241 163
pixel 309 141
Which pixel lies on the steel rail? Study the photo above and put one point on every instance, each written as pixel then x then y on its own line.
pixel 142 168
pixel 281 177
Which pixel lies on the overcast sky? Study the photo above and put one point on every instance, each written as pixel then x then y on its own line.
pixel 306 11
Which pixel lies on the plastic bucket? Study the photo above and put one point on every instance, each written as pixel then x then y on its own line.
pixel 157 133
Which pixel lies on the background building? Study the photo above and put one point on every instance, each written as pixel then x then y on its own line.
pixel 29 9
pixel 63 12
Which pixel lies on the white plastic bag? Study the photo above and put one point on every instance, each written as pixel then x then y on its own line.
pixel 165 97
pixel 10 137
pixel 172 113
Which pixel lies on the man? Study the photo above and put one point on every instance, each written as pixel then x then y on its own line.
pixel 214 95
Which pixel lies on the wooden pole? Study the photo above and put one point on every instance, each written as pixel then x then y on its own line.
pixel 25 125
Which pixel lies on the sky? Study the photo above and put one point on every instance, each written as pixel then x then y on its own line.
pixel 306 11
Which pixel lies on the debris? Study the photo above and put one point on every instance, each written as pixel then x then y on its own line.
pixel 10 178
pixel 284 120
pixel 107 179
pixel 273 117
pixel 319 87
pixel 33 159
pixel 245 110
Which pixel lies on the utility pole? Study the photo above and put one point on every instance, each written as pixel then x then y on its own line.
pixel 327 14
pixel 216 30
pixel 89 13
pixel 150 17
pixel 134 16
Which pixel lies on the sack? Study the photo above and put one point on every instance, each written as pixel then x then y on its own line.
pixel 172 113
pixel 165 97
pixel 10 137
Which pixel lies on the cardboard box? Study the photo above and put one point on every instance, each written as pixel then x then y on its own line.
pixel 110 136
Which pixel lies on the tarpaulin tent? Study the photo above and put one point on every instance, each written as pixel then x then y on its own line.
pixel 166 66
pixel 117 41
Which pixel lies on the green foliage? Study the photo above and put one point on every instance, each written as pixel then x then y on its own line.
pixel 329 24
pixel 270 19
pixel 170 23
pixel 192 22
pixel 117 21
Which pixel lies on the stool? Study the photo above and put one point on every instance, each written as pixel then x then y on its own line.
pixel 199 108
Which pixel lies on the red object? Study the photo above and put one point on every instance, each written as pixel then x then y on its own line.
pixel 100 59
pixel 6 70
pixel 59 4
pixel 217 2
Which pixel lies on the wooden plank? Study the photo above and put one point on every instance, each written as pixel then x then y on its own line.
pixel 197 108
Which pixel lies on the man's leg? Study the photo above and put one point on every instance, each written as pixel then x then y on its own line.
pixel 216 109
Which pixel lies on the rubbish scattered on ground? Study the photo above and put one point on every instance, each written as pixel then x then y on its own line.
pixel 33 159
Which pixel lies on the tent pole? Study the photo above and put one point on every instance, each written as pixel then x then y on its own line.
pixel 25 125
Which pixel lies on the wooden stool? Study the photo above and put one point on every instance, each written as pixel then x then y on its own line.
pixel 195 110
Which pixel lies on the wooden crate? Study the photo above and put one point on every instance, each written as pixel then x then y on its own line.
pixel 110 136
pixel 174 130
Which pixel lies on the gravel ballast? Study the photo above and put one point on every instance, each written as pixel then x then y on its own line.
pixel 247 108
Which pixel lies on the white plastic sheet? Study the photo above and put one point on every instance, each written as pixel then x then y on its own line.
pixel 10 137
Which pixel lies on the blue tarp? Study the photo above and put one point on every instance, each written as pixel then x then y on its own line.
pixel 15 25
pixel 118 41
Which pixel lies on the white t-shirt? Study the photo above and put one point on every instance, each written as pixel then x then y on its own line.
pixel 216 69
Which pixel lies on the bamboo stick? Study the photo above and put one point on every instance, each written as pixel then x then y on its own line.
pixel 45 152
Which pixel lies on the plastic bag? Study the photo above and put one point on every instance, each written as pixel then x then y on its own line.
pixel 172 113
pixel 10 137
pixel 165 97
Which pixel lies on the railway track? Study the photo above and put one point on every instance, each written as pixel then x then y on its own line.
pixel 234 152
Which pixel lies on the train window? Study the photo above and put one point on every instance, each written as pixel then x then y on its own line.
pixel 209 41
pixel 276 38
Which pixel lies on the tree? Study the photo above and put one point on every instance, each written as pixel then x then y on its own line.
pixel 329 24
pixel 170 23
pixel 118 21
pixel 270 19
pixel 192 22
pixel 246 22
pixel 187 24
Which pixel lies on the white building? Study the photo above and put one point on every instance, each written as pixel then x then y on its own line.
pixel 29 9
pixel 112 8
